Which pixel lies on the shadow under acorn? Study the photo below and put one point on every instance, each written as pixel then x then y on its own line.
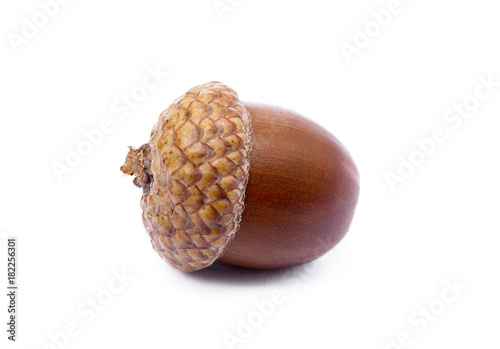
pixel 222 273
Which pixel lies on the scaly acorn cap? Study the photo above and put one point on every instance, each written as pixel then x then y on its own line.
pixel 194 172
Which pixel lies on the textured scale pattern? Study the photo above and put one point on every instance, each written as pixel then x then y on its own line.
pixel 200 151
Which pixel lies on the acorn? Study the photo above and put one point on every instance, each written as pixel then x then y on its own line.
pixel 245 184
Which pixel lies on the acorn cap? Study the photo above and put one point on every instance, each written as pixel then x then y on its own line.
pixel 194 172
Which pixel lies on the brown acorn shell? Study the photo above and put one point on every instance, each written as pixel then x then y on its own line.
pixel 301 196
pixel 199 152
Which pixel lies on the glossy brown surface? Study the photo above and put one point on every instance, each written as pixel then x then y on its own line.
pixel 301 195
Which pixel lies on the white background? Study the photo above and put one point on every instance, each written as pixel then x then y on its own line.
pixel 440 224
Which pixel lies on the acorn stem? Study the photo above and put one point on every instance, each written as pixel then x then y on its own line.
pixel 138 163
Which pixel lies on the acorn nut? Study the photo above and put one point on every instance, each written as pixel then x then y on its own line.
pixel 245 184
